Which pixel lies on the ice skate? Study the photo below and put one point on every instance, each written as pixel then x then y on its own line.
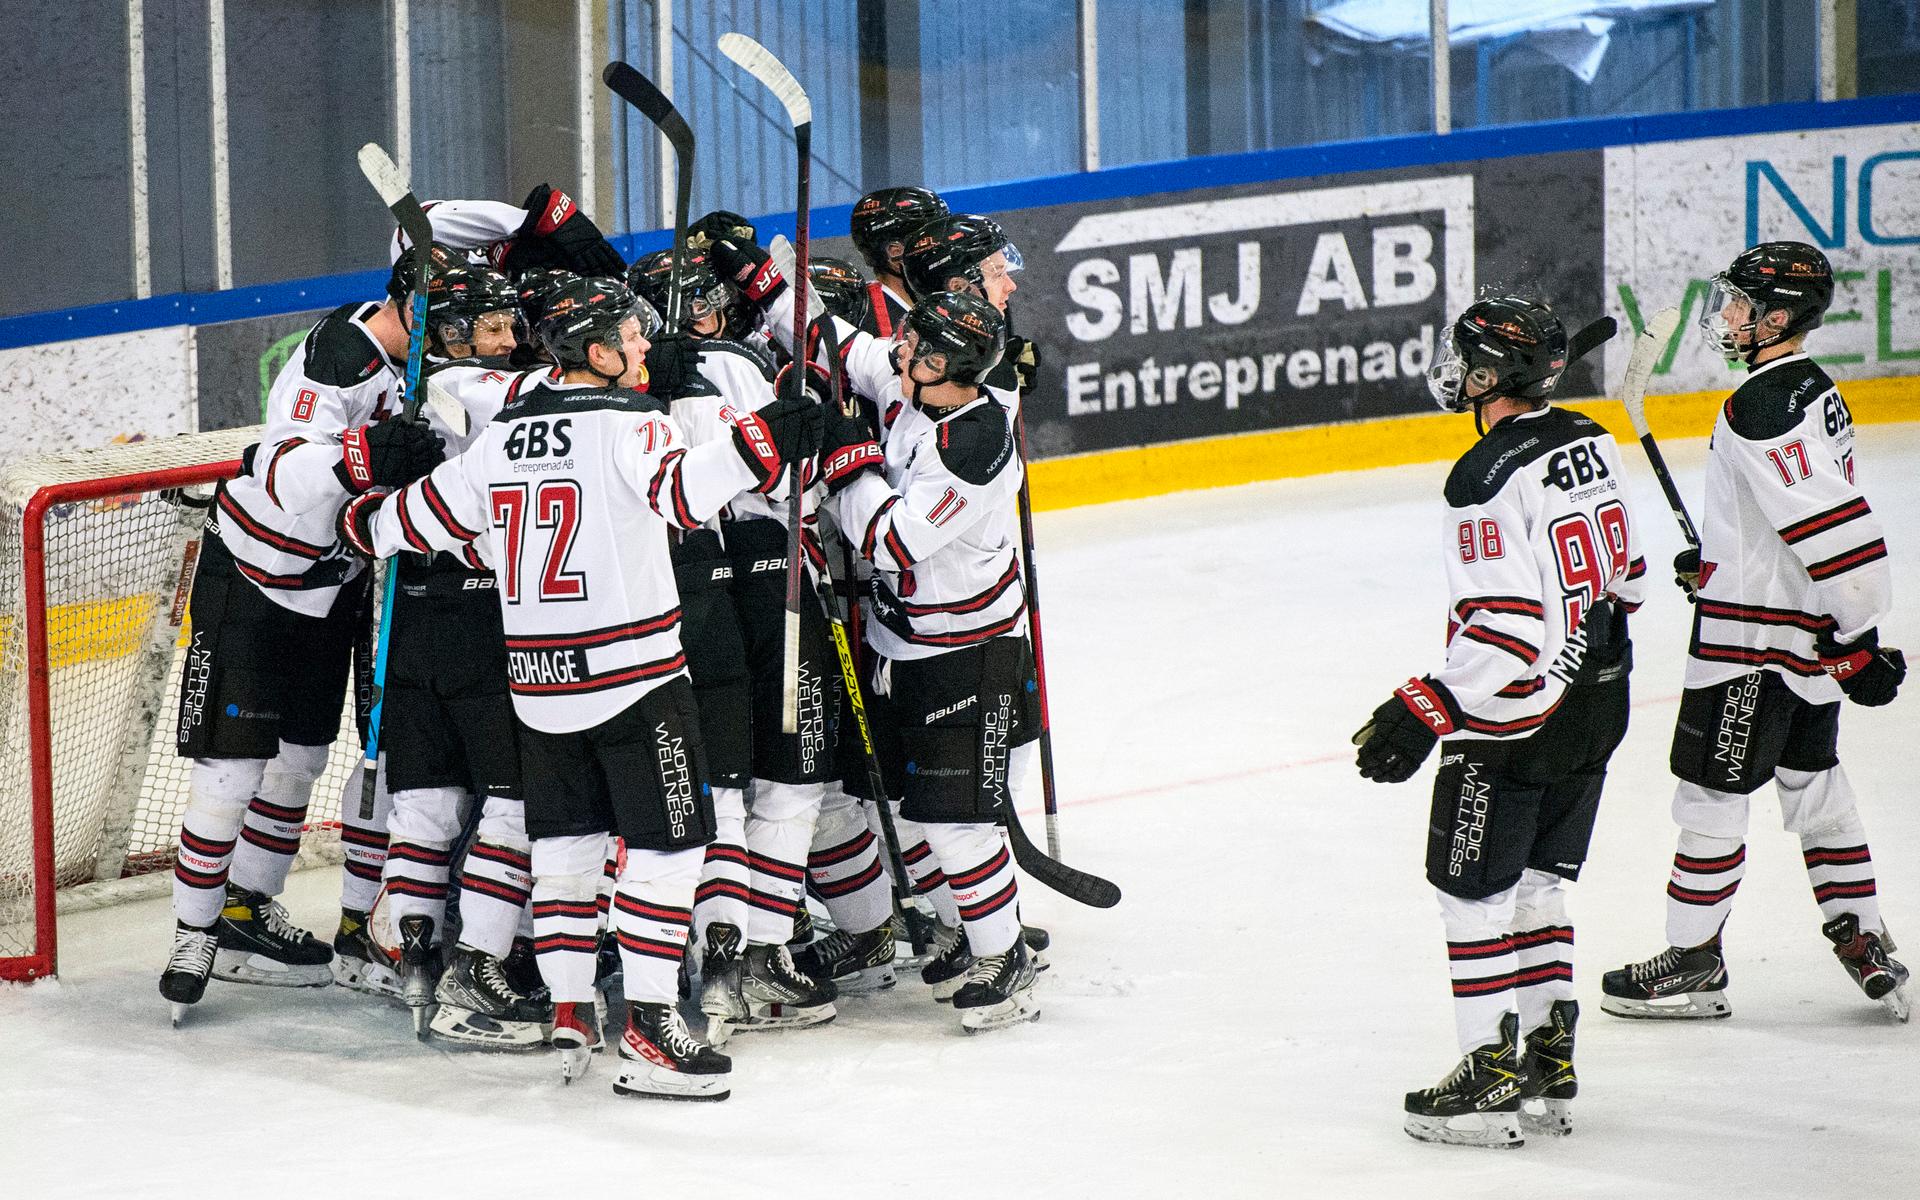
pixel 720 998
pixel 777 996
pixel 1038 940
pixel 946 971
pixel 1479 1103
pixel 260 944
pixel 1546 1105
pixel 662 1060
pixel 417 955
pixel 853 962
pixel 576 1035
pixel 359 962
pixel 184 979
pixel 1868 957
pixel 477 1005
pixel 802 928
pixel 998 990
pixel 911 919
pixel 522 969
pixel 1674 985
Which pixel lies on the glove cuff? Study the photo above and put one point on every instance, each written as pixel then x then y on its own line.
pixel 756 445
pixel 1431 702
pixel 355 467
pixel 764 284
pixel 843 464
pixel 555 209
pixel 356 521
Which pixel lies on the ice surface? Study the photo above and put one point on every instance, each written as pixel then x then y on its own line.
pixel 1244 1024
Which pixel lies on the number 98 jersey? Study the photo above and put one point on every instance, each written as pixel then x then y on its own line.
pixel 1538 530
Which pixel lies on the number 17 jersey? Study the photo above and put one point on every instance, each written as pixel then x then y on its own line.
pixel 1538 529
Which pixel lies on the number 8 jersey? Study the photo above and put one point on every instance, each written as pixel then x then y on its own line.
pixel 1538 529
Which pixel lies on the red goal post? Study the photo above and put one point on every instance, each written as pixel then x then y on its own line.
pixel 97 556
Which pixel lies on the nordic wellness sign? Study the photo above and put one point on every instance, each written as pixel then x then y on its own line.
pixel 1293 303
pixel 1678 212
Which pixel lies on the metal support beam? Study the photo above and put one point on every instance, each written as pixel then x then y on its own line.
pixel 1090 85
pixel 1441 54
pixel 217 119
pixel 1829 40
pixel 663 79
pixel 586 80
pixel 400 70
pixel 137 187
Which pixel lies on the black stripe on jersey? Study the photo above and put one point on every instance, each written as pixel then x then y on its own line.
pixel 971 603
pixel 1501 728
pixel 598 637
pixel 600 683
pixel 1520 689
pixel 260 533
pixel 407 532
pixel 273 465
pixel 967 637
pixel 669 473
pixel 473 560
pixel 442 512
pixel 1840 564
pixel 1754 614
pixel 1711 652
pixel 873 527
pixel 1520 648
pixel 1517 605
pixel 266 579
pixel 1636 569
pixel 1820 522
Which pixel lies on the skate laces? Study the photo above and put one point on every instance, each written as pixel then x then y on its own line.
pixel 985 969
pixel 279 924
pixel 680 1041
pixel 1660 964
pixel 492 977
pixel 192 952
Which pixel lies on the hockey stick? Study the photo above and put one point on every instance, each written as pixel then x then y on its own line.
pixel 1049 795
pixel 636 89
pixel 838 621
pixel 395 193
pixel 780 250
pixel 1633 394
pixel 760 63
pixel 1590 338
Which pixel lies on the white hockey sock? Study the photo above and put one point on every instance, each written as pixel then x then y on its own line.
pixel 1840 868
pixel 1481 964
pixel 566 913
pixel 496 881
pixel 1706 873
pixel 652 915
pixel 216 799
pixel 276 815
pixel 845 865
pixel 1542 947
pixel 779 830
pixel 721 898
pixel 923 868
pixel 422 829
pixel 616 853
pixel 979 873
pixel 364 839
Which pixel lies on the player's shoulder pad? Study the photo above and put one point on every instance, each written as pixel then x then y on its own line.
pixel 1771 404
pixel 977 443
pixel 761 362
pixel 338 352
pixel 1511 445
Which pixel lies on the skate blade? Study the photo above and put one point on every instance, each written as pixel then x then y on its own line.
pixel 471 1028
pixel 1694 1006
pixel 763 1017
pixel 946 990
pixel 365 977
pixel 1014 1010
pixel 574 1061
pixel 1552 1118
pixel 719 1030
pixel 243 966
pixel 422 1019
pixel 1899 1003
pixel 866 980
pixel 646 1081
pixel 1488 1131
pixel 179 1012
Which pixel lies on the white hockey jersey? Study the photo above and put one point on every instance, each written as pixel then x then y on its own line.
pixel 485 228
pixel 571 490
pixel 1538 528
pixel 1789 548
pixel 277 519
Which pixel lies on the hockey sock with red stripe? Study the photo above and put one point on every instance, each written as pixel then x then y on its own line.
pixel 496 884
pixel 1542 947
pixel 721 897
pixel 216 801
pixel 979 873
pixel 364 840
pixel 1840 868
pixel 924 870
pixel 1481 965
pixel 845 865
pixel 779 830
pixel 270 836
pixel 566 913
pixel 1706 874
pixel 652 914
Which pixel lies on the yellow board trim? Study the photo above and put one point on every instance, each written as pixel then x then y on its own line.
pixel 1108 475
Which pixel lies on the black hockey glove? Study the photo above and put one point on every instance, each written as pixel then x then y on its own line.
pixel 848 448
pixel 1866 672
pixel 720 224
pixel 557 234
pixel 673 360
pixel 391 454
pixel 1401 732
pixel 786 431
pixel 354 523
pixel 748 268
pixel 1686 572
pixel 1024 354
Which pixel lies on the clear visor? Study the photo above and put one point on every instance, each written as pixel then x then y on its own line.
pixel 712 302
pixel 1728 318
pixel 1446 378
pixel 1001 263
pixel 648 317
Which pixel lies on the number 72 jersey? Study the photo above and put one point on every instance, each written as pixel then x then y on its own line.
pixel 1538 529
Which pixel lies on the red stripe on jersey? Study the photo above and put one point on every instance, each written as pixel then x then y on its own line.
pixel 442 512
pixel 407 532
pixel 873 527
pixel 1519 648
pixel 1522 688
pixel 266 579
pixel 967 637
pixel 254 529
pixel 1481 949
pixel 566 908
pixel 669 474
pixel 1840 564
pixel 1754 614
pixel 1636 569
pixel 600 683
pixel 1518 605
pixel 1757 658
pixel 882 314
pixel 971 603
pixel 273 466
pixel 1476 725
pixel 598 637
pixel 1820 522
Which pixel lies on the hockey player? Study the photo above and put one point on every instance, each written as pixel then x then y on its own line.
pixel 933 513
pixel 882 223
pixel 571 491
pixel 1790 585
pixel 277 606
pixel 548 231
pixel 1532 700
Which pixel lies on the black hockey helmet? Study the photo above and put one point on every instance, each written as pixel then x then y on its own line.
pixel 888 218
pixel 461 294
pixel 589 312
pixel 954 247
pixel 962 331
pixel 719 224
pixel 536 285
pixel 400 280
pixel 1786 277
pixel 843 289
pixel 1504 346
pixel 703 292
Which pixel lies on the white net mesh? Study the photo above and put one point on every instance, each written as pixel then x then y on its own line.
pixel 116 574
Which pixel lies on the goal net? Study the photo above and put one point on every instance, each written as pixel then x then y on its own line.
pixel 97 555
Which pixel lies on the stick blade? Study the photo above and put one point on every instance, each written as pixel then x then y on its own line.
pixel 636 89
pixel 447 408
pixel 1076 885
pixel 378 166
pixel 1591 338
pixel 759 62
pixel 1647 349
pixel 780 250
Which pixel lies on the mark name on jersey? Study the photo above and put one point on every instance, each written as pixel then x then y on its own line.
pixel 563 665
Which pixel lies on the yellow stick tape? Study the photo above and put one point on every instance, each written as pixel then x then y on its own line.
pixel 1097 478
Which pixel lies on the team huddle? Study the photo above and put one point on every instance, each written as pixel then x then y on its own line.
pixel 602 768
pixel 1789 582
